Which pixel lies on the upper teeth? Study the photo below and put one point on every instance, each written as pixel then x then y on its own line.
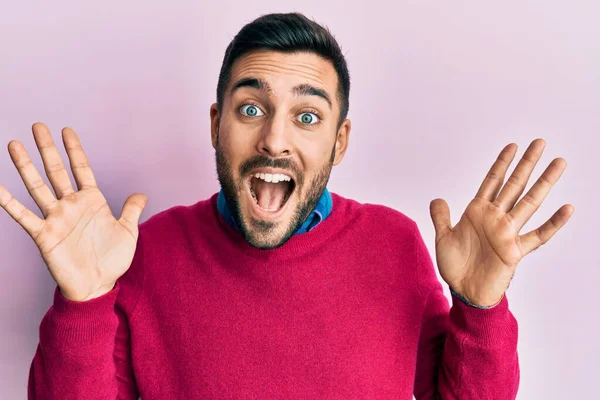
pixel 275 178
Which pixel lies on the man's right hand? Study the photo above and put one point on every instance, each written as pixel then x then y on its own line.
pixel 85 248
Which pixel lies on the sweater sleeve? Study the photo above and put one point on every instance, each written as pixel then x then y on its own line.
pixel 463 352
pixel 84 348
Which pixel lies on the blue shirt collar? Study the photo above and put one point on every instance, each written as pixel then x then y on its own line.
pixel 319 213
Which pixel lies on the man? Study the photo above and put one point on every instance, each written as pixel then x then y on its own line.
pixel 275 288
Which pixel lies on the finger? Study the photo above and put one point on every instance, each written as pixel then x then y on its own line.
pixel 24 217
pixel 53 163
pixel 495 176
pixel 132 209
pixel 440 215
pixel 39 191
pixel 515 184
pixel 84 177
pixel 528 205
pixel 534 239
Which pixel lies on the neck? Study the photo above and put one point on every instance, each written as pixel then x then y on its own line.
pixel 321 211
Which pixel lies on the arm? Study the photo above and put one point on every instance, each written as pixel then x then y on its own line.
pixel 472 352
pixel 84 351
pixel 464 352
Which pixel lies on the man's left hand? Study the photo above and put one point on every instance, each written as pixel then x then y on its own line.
pixel 479 255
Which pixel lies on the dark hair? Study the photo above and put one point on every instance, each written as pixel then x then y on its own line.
pixel 287 33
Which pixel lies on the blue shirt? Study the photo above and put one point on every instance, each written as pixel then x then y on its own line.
pixel 318 214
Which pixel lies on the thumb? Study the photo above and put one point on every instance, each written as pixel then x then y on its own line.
pixel 132 209
pixel 440 215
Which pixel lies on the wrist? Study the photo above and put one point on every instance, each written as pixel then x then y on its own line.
pixel 476 305
pixel 98 293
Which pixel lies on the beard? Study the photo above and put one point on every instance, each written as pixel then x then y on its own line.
pixel 264 234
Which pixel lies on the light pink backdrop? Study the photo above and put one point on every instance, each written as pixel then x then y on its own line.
pixel 437 90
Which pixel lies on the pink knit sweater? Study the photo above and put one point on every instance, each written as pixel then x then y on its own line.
pixel 350 310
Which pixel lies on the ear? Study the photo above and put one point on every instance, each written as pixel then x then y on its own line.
pixel 342 141
pixel 214 124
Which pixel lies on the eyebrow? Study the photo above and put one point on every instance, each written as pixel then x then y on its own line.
pixel 303 89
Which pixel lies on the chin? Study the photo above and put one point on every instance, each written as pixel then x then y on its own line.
pixel 266 243
pixel 267 229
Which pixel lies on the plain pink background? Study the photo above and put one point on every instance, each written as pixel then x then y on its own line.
pixel 438 89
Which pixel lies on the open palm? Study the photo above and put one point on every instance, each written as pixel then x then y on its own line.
pixel 85 248
pixel 478 256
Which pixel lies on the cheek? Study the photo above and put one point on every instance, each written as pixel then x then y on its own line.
pixel 315 154
pixel 239 138
pixel 237 144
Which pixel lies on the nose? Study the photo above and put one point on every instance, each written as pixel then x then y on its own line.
pixel 275 140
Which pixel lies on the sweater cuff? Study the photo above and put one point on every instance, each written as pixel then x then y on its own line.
pixel 489 326
pixel 467 302
pixel 81 321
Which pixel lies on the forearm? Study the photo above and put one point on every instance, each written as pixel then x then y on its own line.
pixel 75 358
pixel 479 358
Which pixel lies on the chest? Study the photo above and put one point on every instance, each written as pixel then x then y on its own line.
pixel 327 335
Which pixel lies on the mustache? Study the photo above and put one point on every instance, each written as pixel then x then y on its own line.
pixel 260 161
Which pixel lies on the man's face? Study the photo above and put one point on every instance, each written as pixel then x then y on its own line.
pixel 276 141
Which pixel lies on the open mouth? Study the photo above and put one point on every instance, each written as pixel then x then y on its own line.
pixel 271 192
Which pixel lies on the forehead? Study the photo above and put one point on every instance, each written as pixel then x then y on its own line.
pixel 285 70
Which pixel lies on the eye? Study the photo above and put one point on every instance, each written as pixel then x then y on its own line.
pixel 308 118
pixel 250 110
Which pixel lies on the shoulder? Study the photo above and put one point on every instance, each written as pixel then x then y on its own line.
pixel 376 218
pixel 161 237
pixel 177 220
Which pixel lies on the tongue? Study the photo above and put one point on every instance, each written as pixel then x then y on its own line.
pixel 269 195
